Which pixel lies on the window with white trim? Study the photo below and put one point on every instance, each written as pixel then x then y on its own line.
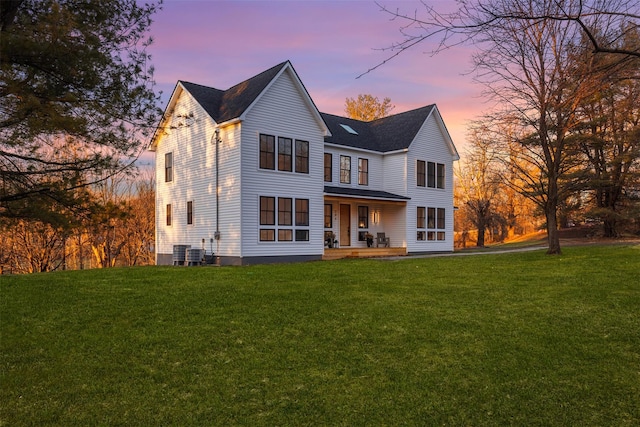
pixel 345 169
pixel 363 171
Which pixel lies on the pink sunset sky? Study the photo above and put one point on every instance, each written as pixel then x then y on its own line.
pixel 329 43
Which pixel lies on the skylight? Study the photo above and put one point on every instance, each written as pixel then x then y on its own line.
pixel 349 129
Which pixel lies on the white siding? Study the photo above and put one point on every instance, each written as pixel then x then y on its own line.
pixel 194 180
pixel 429 145
pixel 281 111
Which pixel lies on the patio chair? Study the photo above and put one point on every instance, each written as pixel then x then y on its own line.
pixel 382 240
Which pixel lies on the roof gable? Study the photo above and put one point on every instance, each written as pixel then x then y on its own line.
pixel 226 105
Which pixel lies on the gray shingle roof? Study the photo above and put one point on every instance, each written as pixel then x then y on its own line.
pixel 360 192
pixel 225 105
pixel 383 135
pixel 387 134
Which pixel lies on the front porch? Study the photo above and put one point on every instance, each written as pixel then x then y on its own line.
pixel 355 252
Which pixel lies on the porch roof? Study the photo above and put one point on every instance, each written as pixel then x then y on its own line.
pixel 362 193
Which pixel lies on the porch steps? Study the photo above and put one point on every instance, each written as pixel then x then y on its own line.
pixel 331 254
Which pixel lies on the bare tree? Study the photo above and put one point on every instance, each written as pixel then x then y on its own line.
pixel 604 23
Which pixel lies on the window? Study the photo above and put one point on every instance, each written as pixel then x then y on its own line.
pixel 435 219
pixel 284 231
pixel 284 211
pixel 345 169
pixel 168 167
pixel 328 218
pixel 267 152
pixel 431 217
pixel 190 212
pixel 169 214
pixel 267 217
pixel 285 235
pixel 328 168
pixel 363 217
pixel 363 171
pixel 267 210
pixel 440 175
pixel 302 156
pixel 267 235
pixel 440 218
pixel 421 220
pixel 284 154
pixel 420 173
pixel 302 212
pixel 431 174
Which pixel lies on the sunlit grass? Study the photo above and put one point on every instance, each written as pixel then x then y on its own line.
pixel 511 339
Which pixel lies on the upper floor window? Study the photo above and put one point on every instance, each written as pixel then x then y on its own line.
pixel 420 173
pixel 363 171
pixel 431 174
pixel 435 175
pixel 284 154
pixel 302 156
pixel 190 212
pixel 267 151
pixel 328 167
pixel 439 175
pixel 345 169
pixel 168 167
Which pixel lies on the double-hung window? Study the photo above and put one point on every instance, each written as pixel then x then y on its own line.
pixel 420 173
pixel 363 171
pixel 284 154
pixel 302 156
pixel 267 151
pixel 268 218
pixel 345 169
pixel 302 220
pixel 328 167
pixel 439 175
pixel 440 223
pixel 284 219
pixel 431 174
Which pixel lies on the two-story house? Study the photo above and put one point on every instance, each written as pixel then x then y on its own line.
pixel 257 174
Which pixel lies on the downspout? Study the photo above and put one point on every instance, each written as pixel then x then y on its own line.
pixel 216 234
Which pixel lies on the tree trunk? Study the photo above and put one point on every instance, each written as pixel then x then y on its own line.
pixel 610 229
pixel 553 237
pixel 481 230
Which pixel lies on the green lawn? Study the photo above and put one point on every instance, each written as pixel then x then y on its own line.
pixel 510 339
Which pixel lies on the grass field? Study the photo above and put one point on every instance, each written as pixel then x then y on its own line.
pixel 509 339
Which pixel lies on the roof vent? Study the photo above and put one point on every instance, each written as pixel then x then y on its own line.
pixel 349 129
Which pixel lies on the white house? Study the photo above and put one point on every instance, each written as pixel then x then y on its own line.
pixel 257 174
